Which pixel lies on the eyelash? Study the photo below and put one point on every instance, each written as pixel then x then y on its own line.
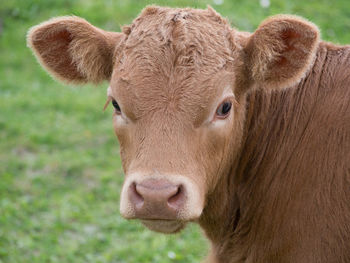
pixel 116 106
pixel 223 110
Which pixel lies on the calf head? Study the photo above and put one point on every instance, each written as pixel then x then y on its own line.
pixel 178 82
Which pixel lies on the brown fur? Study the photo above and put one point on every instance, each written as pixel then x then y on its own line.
pixel 290 190
pixel 275 175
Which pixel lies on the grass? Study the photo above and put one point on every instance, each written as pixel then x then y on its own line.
pixel 60 172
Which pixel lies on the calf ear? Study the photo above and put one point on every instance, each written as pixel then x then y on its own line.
pixel 72 50
pixel 281 51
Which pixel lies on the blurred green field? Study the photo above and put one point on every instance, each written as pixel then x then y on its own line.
pixel 60 172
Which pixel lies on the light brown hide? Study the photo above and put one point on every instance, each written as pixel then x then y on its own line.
pixel 275 175
pixel 289 198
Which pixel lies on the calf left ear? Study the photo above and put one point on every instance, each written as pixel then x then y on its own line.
pixel 74 51
pixel 281 51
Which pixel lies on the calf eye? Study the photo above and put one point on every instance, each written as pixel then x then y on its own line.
pixel 116 106
pixel 224 109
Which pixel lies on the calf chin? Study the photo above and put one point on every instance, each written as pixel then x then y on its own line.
pixel 164 226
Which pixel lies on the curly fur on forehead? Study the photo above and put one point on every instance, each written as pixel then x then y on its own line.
pixel 192 36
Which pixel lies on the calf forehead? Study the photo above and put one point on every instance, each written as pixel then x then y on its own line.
pixel 185 30
pixel 173 56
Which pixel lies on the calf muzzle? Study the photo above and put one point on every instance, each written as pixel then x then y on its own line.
pixel 163 202
pixel 156 199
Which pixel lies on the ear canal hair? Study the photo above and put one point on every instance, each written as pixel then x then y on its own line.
pixel 72 50
pixel 281 51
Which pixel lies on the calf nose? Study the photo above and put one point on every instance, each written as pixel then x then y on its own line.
pixel 156 199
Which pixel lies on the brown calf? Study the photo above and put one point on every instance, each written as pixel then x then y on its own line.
pixel 246 134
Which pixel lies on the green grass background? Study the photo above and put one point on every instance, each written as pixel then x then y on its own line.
pixel 60 171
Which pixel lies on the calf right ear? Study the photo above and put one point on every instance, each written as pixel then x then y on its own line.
pixel 281 51
pixel 72 50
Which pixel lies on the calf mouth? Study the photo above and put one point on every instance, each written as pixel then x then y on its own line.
pixel 164 226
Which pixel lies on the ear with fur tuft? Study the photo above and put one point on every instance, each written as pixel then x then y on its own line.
pixel 281 51
pixel 72 50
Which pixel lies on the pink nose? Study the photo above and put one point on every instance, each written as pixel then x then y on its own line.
pixel 156 199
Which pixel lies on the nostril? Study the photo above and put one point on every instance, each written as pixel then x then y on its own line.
pixel 135 197
pixel 177 200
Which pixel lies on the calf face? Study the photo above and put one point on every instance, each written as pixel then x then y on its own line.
pixel 178 80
